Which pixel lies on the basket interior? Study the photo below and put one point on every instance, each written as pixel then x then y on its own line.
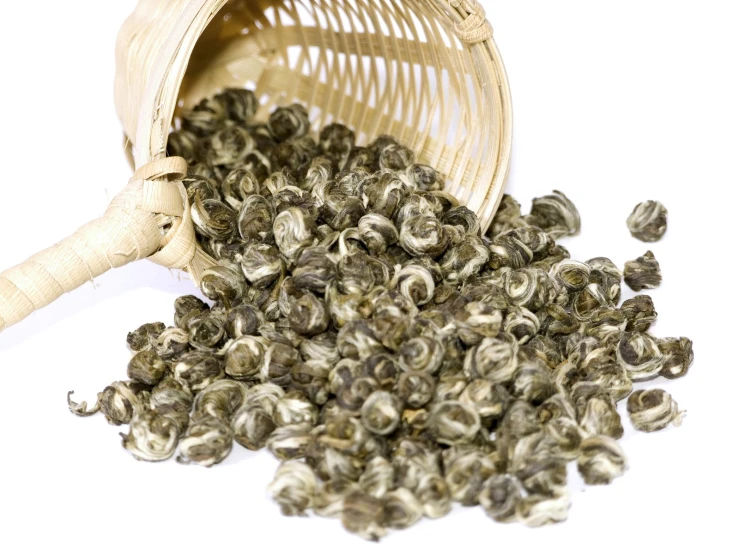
pixel 379 66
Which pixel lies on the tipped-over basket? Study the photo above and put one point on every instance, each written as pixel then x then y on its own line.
pixel 424 71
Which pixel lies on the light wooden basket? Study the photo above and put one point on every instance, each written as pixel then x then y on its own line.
pixel 425 71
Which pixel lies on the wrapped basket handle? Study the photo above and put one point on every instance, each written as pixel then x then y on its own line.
pixel 149 218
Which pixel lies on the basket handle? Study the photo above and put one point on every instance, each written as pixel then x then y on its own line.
pixel 150 218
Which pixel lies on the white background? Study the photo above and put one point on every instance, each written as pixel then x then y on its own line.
pixel 615 102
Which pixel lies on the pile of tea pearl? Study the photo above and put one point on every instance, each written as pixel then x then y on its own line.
pixel 362 327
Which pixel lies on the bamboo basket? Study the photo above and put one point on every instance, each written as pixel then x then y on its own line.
pixel 425 71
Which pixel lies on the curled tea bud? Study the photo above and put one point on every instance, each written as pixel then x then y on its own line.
pixel 183 144
pixel 80 409
pixel 317 175
pixel 293 487
pixel 424 177
pixel 363 515
pixel 381 413
pixel 643 273
pixel 207 442
pixel 279 359
pixel 423 235
pixel 229 146
pixel 416 388
pixel 358 273
pixel 466 474
pixel 172 343
pixel 240 104
pixel 383 369
pixel 529 288
pixel 220 399
pixel 640 355
pixel 522 324
pixel 477 320
pixel 587 301
pixel 422 203
pixel 352 394
pixel 289 122
pixel 254 221
pixel 294 229
pixel 571 275
pixel 678 356
pixel 205 117
pixel 535 460
pixel 261 264
pixel 383 193
pixel 244 358
pixel 453 423
pixel 499 497
pixel 146 367
pixel 601 460
pixel 378 477
pixel 415 283
pixel 145 336
pixel 603 272
pixel 648 221
pixel 252 426
pixel 537 510
pixel 153 435
pixel 223 283
pixel 294 408
pixel 196 370
pixel 465 259
pixel 336 141
pixel 320 352
pixel 402 509
pixel 238 185
pixel 489 399
pixel 555 214
pixel 507 217
pixel 533 384
pixel 450 387
pixel 395 157
pixel 119 402
pixel 639 312
pixel 213 219
pixel 612 376
pixel 187 307
pixel 494 359
pixel 557 406
pixel 308 315
pixel 542 348
pixel 206 331
pixel 243 320
pixel 566 435
pixel 461 216
pixel 377 232
pixel 315 269
pixel 357 340
pixel 606 324
pixel 652 410
pixel 170 395
pixel 265 395
pixel 290 441
pixel 599 417
pixel 204 187
pixel 421 354
pixel 433 493
pixel 342 211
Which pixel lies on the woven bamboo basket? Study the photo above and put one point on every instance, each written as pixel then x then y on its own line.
pixel 426 71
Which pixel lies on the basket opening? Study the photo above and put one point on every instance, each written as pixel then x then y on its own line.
pixel 389 66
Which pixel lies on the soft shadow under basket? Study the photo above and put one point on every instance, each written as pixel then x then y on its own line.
pixel 424 71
